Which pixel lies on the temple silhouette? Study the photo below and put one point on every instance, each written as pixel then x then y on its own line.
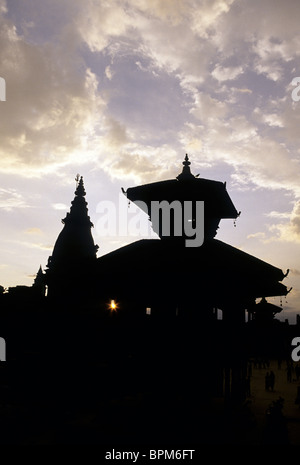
pixel 164 290
pixel 70 267
pixel 154 320
pixel 163 274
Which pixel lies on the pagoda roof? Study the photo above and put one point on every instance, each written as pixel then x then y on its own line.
pixel 266 307
pixel 213 254
pixel 216 269
pixel 187 187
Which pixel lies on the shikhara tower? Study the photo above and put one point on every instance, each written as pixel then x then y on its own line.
pixel 74 253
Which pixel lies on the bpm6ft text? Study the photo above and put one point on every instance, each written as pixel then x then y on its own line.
pixel 171 454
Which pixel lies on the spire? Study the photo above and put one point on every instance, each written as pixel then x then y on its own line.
pixel 78 211
pixel 39 277
pixel 75 242
pixel 39 284
pixel 80 192
pixel 186 171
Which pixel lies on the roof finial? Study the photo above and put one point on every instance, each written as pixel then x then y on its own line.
pixel 186 171
pixel 77 179
pixel 80 187
pixel 186 161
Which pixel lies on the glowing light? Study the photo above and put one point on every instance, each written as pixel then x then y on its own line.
pixel 113 305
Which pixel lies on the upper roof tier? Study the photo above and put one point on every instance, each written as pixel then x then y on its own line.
pixel 187 187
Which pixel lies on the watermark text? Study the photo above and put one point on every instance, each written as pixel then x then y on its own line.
pixel 2 90
pixel 296 91
pixel 2 350
pixel 176 219
pixel 296 351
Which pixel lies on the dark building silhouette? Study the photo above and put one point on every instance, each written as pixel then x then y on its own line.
pixel 133 337
pixel 74 254
pixel 264 311
pixel 181 289
pixel 170 277
pixel 188 286
pixel 163 274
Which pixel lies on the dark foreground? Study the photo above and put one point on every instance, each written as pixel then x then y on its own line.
pixel 67 381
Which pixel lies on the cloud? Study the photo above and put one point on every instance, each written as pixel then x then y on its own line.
pixel 289 231
pixel 98 23
pixel 243 90
pixel 34 231
pixel 59 110
pixel 270 119
pixel 221 73
pixel 207 107
pixel 34 245
pixel 60 206
pixel 280 215
pixel 295 272
pixel 116 133
pixel 258 159
pixel 140 165
pixel 109 73
pixel 11 199
pixel 206 18
pixel 52 103
pixel 258 235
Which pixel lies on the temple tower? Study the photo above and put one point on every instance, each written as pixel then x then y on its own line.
pixel 74 253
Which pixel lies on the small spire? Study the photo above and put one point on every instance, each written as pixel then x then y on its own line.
pixel 186 161
pixel 186 171
pixel 39 278
pixel 80 192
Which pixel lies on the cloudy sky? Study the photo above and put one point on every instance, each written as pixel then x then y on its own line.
pixel 119 91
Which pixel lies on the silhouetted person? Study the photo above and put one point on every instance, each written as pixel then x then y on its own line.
pixel 276 431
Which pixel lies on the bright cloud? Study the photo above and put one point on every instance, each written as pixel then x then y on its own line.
pixel 289 231
pixel 221 73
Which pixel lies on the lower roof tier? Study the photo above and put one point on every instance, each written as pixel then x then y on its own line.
pixel 215 272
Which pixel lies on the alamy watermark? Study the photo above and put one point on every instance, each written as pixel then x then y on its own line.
pixel 2 350
pixel 296 352
pixel 296 91
pixel 2 90
pixel 179 219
